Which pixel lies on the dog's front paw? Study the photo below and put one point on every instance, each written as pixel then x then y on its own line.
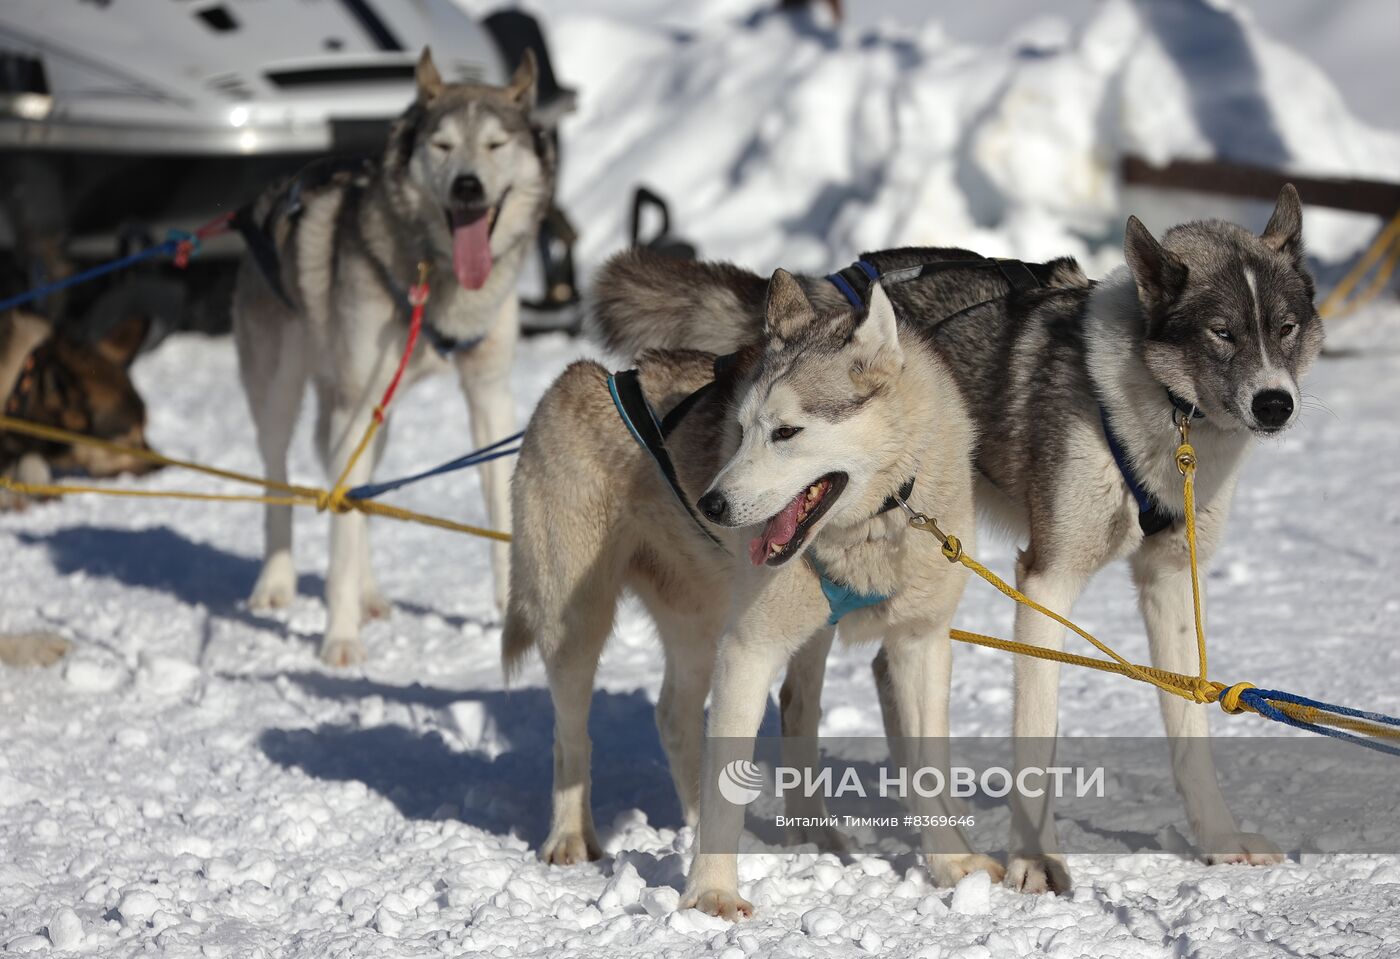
pixel 1246 848
pixel 373 605
pixel 276 587
pixel 570 848
pixel 947 869
pixel 1037 874
pixel 723 903
pixel 342 652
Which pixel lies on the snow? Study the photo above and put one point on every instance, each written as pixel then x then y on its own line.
pixel 191 782
pixel 790 145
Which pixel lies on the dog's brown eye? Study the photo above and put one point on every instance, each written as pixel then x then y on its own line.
pixel 1286 329
pixel 442 146
pixel 785 433
pixel 493 147
pixel 1223 334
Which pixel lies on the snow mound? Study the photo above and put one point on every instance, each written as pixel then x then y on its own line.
pixel 778 140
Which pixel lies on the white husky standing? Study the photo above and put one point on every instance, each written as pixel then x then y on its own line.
pixel 807 436
pixel 463 185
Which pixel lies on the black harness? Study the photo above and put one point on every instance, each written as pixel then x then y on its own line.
pixel 636 412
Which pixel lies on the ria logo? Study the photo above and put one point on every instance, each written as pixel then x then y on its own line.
pixel 740 782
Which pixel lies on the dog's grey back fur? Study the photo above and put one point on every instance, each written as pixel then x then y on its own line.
pixel 643 300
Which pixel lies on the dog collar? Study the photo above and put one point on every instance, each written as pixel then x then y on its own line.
pixel 1187 409
pixel 445 345
pixel 897 498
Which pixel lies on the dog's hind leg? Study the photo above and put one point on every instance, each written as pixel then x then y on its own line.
pixel 916 673
pixel 570 656
pixel 273 363
pixel 1162 573
pixel 566 578
pixel 800 710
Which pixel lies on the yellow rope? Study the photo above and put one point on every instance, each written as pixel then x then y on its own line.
pixel 1186 465
pixel 56 435
pixel 1336 305
pixel 334 499
pixel 1198 688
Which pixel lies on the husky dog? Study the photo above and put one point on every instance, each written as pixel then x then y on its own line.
pixel 64 381
pixel 805 439
pixel 1075 392
pixel 322 296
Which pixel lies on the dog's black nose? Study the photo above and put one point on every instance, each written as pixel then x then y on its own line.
pixel 467 188
pixel 714 506
pixel 1272 408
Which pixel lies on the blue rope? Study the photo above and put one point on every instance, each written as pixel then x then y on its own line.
pixel 1263 701
pixel 102 269
pixel 475 458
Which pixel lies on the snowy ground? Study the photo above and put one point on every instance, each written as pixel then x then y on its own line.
pixel 193 781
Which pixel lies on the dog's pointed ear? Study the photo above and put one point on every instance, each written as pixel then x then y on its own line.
pixel 124 341
pixel 876 341
pixel 1284 233
pixel 1159 273
pixel 523 86
pixel 429 80
pixel 787 309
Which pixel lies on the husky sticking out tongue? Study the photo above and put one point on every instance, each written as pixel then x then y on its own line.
pixel 778 532
pixel 471 250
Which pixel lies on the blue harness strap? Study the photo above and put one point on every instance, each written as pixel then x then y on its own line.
pixel 855 281
pixel 1151 517
pixel 841 598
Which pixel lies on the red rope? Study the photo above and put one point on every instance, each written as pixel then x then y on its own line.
pixel 187 247
pixel 418 297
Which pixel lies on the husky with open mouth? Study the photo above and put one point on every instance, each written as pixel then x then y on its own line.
pixel 790 459
pixel 322 296
pixel 1077 389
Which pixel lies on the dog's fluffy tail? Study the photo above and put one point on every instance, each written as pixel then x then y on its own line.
pixel 643 300
pixel 517 639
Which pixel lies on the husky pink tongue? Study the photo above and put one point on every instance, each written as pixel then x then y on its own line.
pixel 471 252
pixel 779 531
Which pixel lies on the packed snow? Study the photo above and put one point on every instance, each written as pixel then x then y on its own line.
pixel 190 781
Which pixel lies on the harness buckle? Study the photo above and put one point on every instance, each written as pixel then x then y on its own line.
pixel 1183 425
pixel 952 548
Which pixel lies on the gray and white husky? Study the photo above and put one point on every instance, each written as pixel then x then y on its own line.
pixel 795 450
pixel 462 185
pixel 1212 321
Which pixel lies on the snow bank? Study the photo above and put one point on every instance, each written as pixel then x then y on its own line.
pixel 780 140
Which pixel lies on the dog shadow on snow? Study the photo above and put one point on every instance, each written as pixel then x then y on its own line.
pixel 161 558
pixel 503 784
